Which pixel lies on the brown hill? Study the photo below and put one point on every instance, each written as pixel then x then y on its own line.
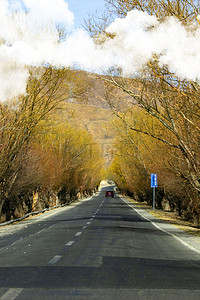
pixel 97 121
pixel 88 106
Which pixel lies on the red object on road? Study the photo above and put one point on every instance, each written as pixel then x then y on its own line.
pixel 109 194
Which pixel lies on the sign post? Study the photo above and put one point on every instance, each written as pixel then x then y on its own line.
pixel 154 185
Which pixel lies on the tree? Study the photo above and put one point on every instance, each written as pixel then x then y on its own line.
pixel 169 99
pixel 59 160
pixel 21 119
pixel 138 155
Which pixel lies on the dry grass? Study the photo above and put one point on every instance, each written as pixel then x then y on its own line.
pixel 169 217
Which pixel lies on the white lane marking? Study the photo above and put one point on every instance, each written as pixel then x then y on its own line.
pixel 88 223
pixel 78 233
pixel 93 216
pixel 44 229
pixel 165 231
pixel 11 294
pixel 84 227
pixel 70 243
pixel 177 238
pixel 31 235
pixel 136 211
pixel 54 259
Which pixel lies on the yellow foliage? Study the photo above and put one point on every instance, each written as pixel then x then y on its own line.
pixel 68 157
pixel 138 155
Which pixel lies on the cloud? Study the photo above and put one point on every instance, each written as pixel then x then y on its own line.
pixel 178 48
pixel 29 37
pixel 50 10
pixel 140 36
pixel 13 77
pixel 133 45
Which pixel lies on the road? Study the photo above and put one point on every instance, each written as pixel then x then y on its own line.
pixel 99 248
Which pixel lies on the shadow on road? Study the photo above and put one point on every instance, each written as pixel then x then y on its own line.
pixel 115 272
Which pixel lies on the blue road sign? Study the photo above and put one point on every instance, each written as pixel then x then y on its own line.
pixel 154 180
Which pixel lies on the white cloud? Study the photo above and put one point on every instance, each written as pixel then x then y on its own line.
pixel 31 38
pixel 13 76
pixel 175 46
pixel 50 10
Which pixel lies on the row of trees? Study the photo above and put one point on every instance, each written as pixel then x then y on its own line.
pixel 159 129
pixel 138 155
pixel 40 151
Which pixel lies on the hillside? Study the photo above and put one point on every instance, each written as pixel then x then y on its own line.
pixel 96 120
pixel 87 105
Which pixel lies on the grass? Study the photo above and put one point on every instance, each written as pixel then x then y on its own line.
pixel 169 217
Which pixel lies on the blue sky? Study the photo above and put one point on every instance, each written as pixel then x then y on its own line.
pixel 81 8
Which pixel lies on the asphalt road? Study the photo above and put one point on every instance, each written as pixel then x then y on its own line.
pixel 99 248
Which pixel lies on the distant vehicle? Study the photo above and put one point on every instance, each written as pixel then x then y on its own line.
pixel 109 194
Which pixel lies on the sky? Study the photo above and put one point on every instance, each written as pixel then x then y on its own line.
pixel 81 9
pixel 29 36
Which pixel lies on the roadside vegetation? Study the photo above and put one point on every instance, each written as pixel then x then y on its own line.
pixel 158 128
pixel 45 160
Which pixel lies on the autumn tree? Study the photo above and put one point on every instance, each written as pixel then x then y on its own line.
pixel 171 100
pixel 20 119
pixel 66 160
pixel 138 155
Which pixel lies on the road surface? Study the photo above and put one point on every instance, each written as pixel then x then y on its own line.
pixel 99 248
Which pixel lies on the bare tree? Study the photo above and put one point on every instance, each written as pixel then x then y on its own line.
pixel 164 96
pixel 20 120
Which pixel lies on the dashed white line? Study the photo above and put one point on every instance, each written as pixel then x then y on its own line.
pixel 78 233
pixel 70 243
pixel 11 294
pixel 54 259
pixel 84 227
pixel 88 223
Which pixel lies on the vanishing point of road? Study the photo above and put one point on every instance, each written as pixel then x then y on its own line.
pixel 98 248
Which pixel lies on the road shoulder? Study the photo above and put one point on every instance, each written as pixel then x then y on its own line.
pixel 181 231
